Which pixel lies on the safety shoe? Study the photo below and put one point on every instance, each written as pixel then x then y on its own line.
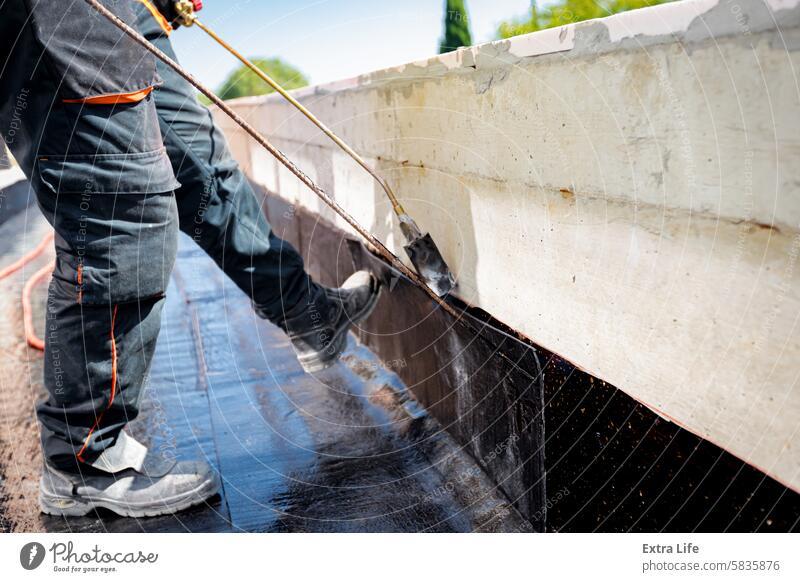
pixel 130 482
pixel 318 328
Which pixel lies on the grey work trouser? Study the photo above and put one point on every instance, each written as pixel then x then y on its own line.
pixel 117 181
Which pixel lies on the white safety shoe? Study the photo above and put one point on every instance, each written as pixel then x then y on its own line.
pixel 130 482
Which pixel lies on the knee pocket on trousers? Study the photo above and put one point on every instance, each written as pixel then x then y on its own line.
pixel 114 248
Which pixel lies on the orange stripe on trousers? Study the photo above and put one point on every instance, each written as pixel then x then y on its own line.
pixel 113 386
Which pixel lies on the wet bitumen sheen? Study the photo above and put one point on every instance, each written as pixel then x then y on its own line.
pixel 345 451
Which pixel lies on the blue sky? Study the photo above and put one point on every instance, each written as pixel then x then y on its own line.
pixel 329 39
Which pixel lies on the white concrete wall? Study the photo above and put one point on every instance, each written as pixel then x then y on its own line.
pixel 625 192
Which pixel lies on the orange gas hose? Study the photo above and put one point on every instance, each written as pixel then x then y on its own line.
pixel 24 260
pixel 27 313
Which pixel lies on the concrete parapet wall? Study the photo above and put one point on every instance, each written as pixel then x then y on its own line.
pixel 625 192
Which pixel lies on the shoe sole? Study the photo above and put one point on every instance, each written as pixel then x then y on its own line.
pixel 314 363
pixel 78 506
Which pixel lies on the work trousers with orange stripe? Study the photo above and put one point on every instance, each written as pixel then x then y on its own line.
pixel 121 157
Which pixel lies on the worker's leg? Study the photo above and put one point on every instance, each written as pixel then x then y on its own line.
pixel 104 182
pixel 217 206
pixel 114 254
pixel 219 210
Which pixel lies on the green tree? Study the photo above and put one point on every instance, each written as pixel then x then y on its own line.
pixel 566 12
pixel 243 82
pixel 456 27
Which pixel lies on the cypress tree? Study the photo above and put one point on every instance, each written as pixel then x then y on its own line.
pixel 456 27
